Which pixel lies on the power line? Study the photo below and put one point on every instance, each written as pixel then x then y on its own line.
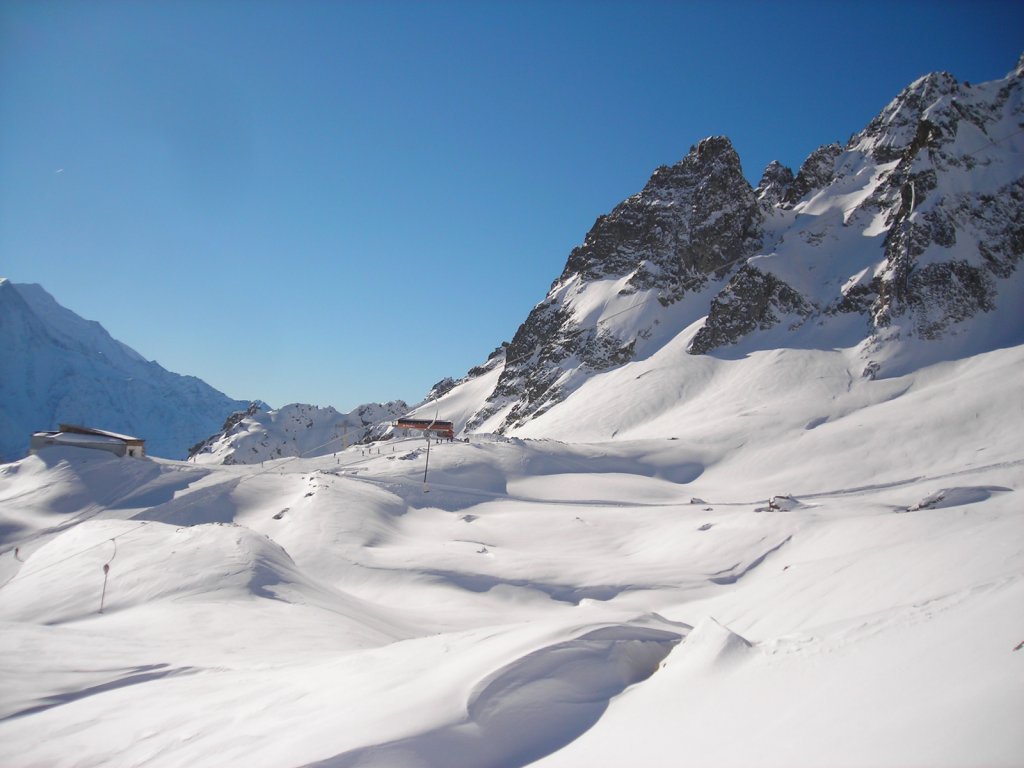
pixel 48 566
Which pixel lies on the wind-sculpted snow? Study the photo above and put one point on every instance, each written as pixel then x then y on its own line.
pixel 955 497
pixel 533 706
pixel 710 644
pixel 853 583
pixel 150 561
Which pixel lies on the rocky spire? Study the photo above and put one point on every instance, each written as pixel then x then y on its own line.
pixel 775 183
pixel 816 173
pixel 690 220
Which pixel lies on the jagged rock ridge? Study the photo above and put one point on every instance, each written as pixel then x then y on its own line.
pixel 915 227
pixel 689 224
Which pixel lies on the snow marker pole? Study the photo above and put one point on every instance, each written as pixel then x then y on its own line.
pixel 103 595
pixel 106 573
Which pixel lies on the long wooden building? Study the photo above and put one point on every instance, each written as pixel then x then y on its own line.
pixel 440 428
pixel 76 436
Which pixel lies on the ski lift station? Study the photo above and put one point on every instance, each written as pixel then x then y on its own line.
pixel 443 429
pixel 88 437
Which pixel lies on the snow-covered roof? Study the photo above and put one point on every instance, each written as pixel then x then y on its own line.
pixel 77 438
pixel 75 429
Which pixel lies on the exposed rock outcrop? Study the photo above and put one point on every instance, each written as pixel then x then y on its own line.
pixel 775 184
pixel 752 300
pixel 691 223
pixel 916 226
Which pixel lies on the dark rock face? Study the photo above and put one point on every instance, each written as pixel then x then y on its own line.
pixel 817 172
pixel 944 251
pixel 548 336
pixel 752 300
pixel 941 293
pixel 898 122
pixel 946 293
pixel 692 221
pixel 775 184
pixel 441 388
pixel 495 358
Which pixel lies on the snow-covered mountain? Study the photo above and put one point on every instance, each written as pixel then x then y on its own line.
pixel 756 505
pixel 57 367
pixel 897 251
pixel 256 435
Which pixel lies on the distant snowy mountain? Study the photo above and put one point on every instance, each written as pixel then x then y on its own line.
pixel 295 430
pixel 899 250
pixel 56 367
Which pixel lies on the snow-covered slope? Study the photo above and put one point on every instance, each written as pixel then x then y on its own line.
pixel 801 547
pixel 627 602
pixel 295 430
pixel 56 367
pixel 901 249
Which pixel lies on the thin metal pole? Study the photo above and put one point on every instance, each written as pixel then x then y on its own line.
pixel 106 574
pixel 103 595
pixel 426 434
pixel 426 489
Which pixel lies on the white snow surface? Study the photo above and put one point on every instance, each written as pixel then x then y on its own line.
pixel 578 600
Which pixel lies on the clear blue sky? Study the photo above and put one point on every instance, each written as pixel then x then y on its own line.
pixel 343 202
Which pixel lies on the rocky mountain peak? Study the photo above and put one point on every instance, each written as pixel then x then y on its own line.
pixel 712 150
pixel 931 99
pixel 816 173
pixel 916 226
pixel 689 220
pixel 688 225
pixel 775 183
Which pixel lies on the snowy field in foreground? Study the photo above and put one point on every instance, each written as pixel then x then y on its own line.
pixel 627 602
